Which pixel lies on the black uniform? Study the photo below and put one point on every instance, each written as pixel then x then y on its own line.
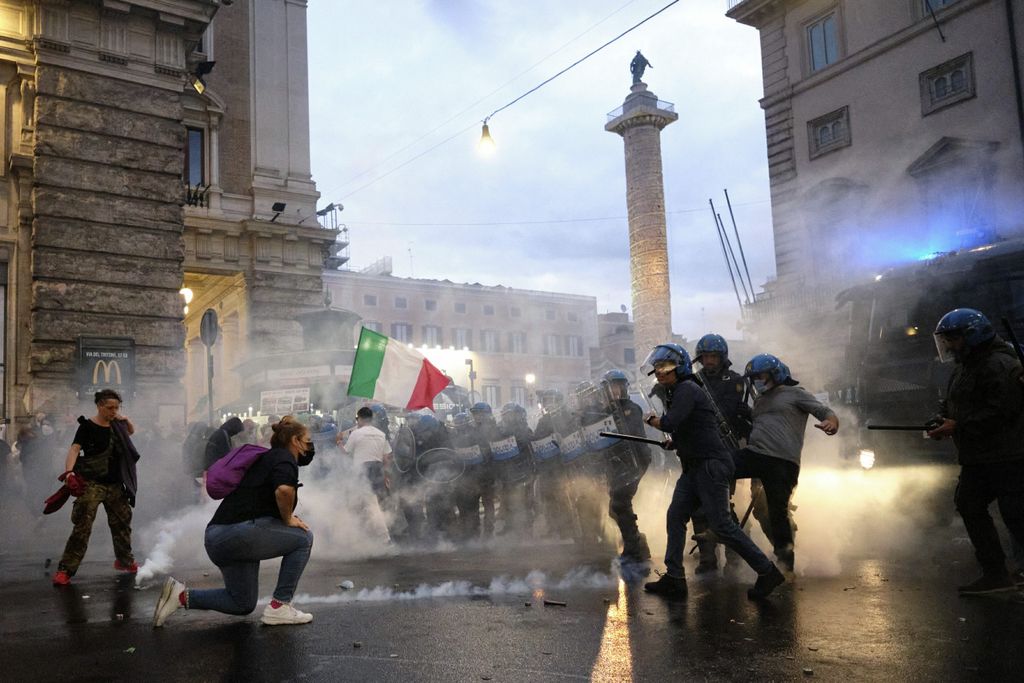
pixel 986 400
pixel 486 432
pixel 550 481
pixel 627 464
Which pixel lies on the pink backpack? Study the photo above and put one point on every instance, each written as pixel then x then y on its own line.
pixel 226 474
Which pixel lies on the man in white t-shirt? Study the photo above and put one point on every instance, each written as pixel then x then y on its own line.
pixel 370 452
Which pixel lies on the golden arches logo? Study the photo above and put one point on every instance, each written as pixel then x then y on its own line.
pixel 108 368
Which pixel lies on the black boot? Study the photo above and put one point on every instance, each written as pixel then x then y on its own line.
pixel 766 583
pixel 635 549
pixel 668 586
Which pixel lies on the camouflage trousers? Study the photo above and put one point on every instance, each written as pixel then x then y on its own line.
pixel 83 514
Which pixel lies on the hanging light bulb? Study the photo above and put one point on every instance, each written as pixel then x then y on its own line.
pixel 486 145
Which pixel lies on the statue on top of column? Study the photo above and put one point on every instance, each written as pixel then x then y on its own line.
pixel 637 67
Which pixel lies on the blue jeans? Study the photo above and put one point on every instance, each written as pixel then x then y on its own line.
pixel 237 549
pixel 706 483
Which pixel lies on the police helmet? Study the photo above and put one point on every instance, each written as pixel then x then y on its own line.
pixel 971 323
pixel 669 353
pixel 713 343
pixel 462 420
pixel 550 397
pixel 481 408
pixel 776 369
pixel 424 427
pixel 513 414
pixel 615 375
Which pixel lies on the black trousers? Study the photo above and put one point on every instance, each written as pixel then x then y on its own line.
pixel 978 487
pixel 779 478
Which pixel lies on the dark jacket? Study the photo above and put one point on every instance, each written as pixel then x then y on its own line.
pixel 129 456
pixel 986 399
pixel 691 421
pixel 729 389
pixel 220 441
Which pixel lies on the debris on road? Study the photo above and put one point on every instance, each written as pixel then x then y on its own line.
pixel 357 644
pixel 346 585
pixel 553 603
pixel 808 672
pixel 130 650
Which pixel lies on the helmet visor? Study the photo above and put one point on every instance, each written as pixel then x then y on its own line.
pixel 944 345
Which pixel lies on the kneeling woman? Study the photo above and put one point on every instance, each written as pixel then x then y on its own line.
pixel 255 522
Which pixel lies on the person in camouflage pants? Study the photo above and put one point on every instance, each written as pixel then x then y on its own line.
pixel 83 514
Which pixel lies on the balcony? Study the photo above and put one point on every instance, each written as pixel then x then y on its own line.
pixel 661 105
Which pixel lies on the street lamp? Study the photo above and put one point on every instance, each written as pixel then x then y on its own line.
pixel 472 378
pixel 530 378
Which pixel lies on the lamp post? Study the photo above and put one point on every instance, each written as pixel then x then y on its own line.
pixel 472 379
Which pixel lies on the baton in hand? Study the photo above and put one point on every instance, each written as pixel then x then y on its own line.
pixel 630 437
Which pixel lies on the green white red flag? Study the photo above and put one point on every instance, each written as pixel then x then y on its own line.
pixel 391 372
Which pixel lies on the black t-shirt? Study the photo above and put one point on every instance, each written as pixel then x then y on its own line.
pixel 254 496
pixel 97 446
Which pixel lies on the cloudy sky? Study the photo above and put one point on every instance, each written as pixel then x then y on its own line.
pixel 402 79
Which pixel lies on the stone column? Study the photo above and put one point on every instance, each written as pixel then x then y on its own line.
pixel 639 122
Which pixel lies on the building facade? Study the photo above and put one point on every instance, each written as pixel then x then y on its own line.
pixel 515 341
pixel 895 132
pixel 124 183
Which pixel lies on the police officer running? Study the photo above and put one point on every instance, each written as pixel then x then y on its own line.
pixel 983 413
pixel 728 389
pixel 707 475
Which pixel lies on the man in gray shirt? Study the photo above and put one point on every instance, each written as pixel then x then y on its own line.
pixel 773 449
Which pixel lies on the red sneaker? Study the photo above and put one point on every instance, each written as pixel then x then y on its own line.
pixel 61 578
pixel 132 568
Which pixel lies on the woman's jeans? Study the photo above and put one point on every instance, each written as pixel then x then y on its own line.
pixel 237 550
pixel 706 483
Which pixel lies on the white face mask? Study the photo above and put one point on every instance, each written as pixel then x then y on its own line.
pixel 760 386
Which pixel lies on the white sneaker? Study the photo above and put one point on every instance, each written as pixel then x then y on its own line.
pixel 169 602
pixel 285 614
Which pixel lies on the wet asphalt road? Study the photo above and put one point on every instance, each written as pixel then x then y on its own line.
pixel 898 620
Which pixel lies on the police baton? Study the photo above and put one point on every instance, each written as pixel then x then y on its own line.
pixel 630 437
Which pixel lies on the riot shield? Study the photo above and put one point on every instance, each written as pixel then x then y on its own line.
pixel 403 446
pixel 440 466
pixel 626 461
pixel 512 463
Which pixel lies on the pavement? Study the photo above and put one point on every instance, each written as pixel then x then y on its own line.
pixel 480 615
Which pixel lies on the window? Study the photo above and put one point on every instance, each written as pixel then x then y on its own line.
pixel 401 302
pixel 369 299
pixel 829 132
pixel 947 84
pixel 552 345
pixel 492 395
pixel 549 314
pixel 432 335
pixel 401 332
pixel 572 316
pixel 372 325
pixel 462 338
pixel 430 305
pixel 629 356
pixel 489 341
pixel 822 42
pixel 574 345
pixel 460 307
pixel 195 157
pixel 515 312
pixel 519 395
pixel 517 342
pixel 488 309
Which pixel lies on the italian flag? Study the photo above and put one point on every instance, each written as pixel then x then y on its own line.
pixel 389 371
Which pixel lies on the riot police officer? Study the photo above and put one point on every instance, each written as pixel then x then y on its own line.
pixel 551 497
pixel 438 499
pixel 486 431
pixel 627 463
pixel 707 474
pixel 983 413
pixel 728 389
pixel 467 487
pixel 513 469
pixel 588 462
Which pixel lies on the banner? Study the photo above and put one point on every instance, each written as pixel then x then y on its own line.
pixel 106 363
pixel 283 402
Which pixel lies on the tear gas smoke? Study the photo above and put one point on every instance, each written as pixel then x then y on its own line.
pixel 579 578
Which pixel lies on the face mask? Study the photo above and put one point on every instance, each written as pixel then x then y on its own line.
pixel 47 430
pixel 760 386
pixel 307 456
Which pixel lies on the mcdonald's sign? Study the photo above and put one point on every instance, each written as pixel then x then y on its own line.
pixel 106 362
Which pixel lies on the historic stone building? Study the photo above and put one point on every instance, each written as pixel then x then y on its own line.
pixel 105 141
pixel 894 131
pixel 518 340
